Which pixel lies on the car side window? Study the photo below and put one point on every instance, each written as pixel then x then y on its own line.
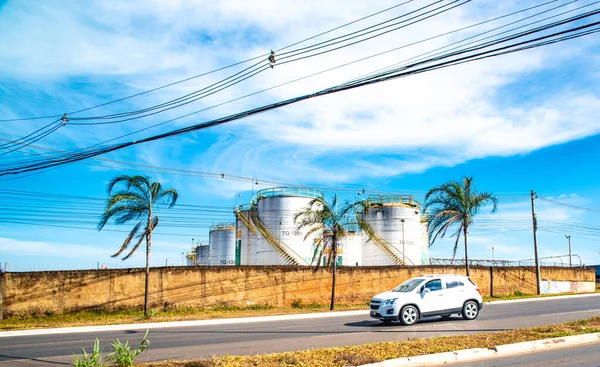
pixel 453 283
pixel 434 285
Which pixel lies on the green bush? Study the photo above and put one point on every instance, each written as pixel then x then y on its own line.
pixel 123 356
pixel 297 303
pixel 90 360
pixel 518 293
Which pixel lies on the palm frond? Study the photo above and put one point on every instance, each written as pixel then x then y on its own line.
pixel 128 239
pixel 142 237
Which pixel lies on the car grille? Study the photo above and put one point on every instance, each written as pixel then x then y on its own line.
pixel 375 305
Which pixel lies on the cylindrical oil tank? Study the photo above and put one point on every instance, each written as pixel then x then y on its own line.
pixel 222 245
pixel 397 220
pixel 276 210
pixel 349 249
pixel 202 254
pixel 245 238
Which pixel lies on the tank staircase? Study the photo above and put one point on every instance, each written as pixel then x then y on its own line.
pixel 288 254
pixel 245 220
pixel 384 245
pixel 388 248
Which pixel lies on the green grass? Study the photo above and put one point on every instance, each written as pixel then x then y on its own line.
pixel 376 352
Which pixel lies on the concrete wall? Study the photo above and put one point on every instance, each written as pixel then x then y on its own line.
pixel 112 289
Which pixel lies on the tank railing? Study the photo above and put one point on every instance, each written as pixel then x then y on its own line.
pixel 397 199
pixel 242 207
pixel 246 221
pixel 277 244
pixel 288 191
pixel 222 226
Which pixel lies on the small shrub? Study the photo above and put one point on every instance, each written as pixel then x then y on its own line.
pixel 90 360
pixel 123 356
pixel 297 303
pixel 518 293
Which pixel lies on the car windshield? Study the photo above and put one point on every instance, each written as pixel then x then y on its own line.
pixel 409 285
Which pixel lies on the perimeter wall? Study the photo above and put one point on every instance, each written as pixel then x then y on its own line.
pixel 26 293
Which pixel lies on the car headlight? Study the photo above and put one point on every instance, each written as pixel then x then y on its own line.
pixel 390 301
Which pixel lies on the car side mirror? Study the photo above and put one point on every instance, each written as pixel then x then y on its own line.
pixel 425 290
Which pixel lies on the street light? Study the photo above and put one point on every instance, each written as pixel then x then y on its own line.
pixel 492 254
pixel 569 238
pixel 182 259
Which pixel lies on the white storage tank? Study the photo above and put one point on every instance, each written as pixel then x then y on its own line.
pixel 203 254
pixel 396 220
pixel 245 235
pixel 349 249
pixel 279 241
pixel 221 240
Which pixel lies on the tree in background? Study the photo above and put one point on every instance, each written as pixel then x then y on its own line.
pixel 455 203
pixel 137 203
pixel 334 224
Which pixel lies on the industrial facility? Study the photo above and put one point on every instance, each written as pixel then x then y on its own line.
pixel 265 233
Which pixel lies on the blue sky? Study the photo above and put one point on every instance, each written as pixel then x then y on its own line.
pixel 526 121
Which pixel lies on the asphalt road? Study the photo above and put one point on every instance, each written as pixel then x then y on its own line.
pixel 278 336
pixel 582 356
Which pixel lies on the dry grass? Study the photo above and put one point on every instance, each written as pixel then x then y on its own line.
pixel 375 352
pixel 92 318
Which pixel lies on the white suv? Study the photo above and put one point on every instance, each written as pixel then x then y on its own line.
pixel 428 295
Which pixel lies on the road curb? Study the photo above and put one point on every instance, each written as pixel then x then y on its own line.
pixel 474 354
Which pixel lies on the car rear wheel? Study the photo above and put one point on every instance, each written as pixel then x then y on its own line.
pixel 409 315
pixel 470 310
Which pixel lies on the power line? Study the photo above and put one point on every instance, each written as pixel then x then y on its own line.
pixel 264 65
pixel 378 54
pixel 570 205
pixel 454 58
pixel 263 56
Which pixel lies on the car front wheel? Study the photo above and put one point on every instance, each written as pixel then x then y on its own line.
pixel 470 310
pixel 409 315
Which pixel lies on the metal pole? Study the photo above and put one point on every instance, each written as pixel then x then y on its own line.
pixel 535 247
pixel 182 259
pixel 492 254
pixel 569 238
pixel 403 250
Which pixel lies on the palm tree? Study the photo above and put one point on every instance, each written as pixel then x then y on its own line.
pixel 137 202
pixel 322 217
pixel 455 203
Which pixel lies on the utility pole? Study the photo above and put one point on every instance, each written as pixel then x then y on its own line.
pixel 569 238
pixel 535 247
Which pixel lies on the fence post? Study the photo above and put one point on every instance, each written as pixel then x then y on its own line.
pixel 491 281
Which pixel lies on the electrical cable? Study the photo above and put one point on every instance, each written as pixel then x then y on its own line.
pixel 212 71
pixel 402 72
pixel 249 72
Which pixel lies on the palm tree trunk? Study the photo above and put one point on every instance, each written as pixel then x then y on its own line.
pixel 148 245
pixel 465 231
pixel 334 254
